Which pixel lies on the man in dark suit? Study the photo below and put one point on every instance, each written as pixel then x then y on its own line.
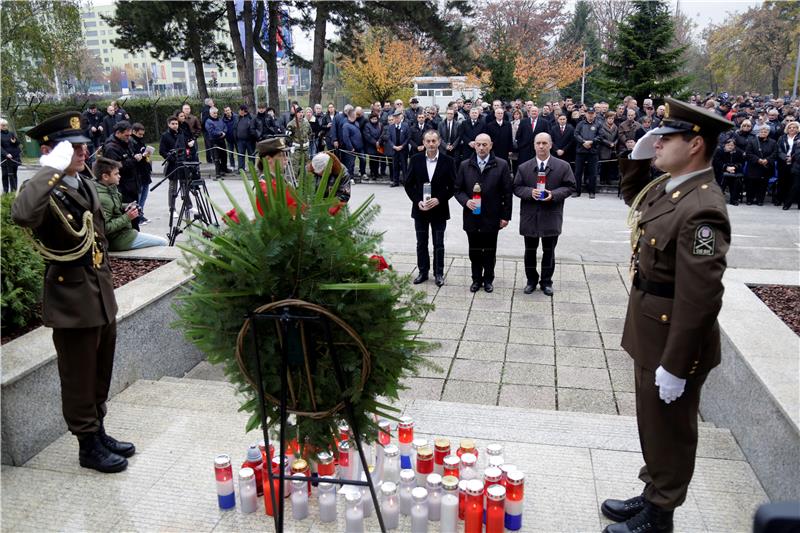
pixel 416 130
pixel 499 130
pixel 62 208
pixel 484 217
pixel 563 135
pixel 538 124
pixel 439 171
pixel 523 141
pixel 449 135
pixel 680 236
pixel 396 146
pixel 469 129
pixel 542 212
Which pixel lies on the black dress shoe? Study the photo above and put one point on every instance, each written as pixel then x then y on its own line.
pixel 487 286
pixel 650 519
pixel 529 288
pixel 475 286
pixel 124 449
pixel 786 207
pixel 394 185
pixel 94 455
pixel 421 278
pixel 439 280
pixel 621 510
pixel 591 195
pixel 547 290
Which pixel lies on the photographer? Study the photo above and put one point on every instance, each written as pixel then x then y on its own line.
pixel 118 148
pixel 119 216
pixel 175 149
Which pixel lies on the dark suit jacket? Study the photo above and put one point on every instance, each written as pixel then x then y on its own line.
pixel 76 294
pixel 442 186
pixel 496 194
pixel 450 136
pixel 416 135
pixel 537 218
pixel 467 133
pixel 524 141
pixel 501 137
pixel 542 126
pixel 564 142
pixel 389 139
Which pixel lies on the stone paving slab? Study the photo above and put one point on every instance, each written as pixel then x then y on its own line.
pixel 169 485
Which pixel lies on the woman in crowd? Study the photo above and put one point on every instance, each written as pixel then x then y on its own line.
pixel 11 154
pixel 744 135
pixel 372 144
pixel 788 186
pixel 728 164
pixel 607 137
pixel 761 154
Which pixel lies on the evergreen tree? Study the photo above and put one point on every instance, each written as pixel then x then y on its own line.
pixel 644 62
pixel 501 65
pixel 580 34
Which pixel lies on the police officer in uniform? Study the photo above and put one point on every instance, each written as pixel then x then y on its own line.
pixel 60 204
pixel 680 236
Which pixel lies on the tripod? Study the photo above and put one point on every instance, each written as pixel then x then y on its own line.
pixel 195 208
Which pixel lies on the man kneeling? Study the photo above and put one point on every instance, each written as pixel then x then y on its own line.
pixel 119 229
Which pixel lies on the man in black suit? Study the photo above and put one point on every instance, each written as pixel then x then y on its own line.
pixel 563 135
pixel 469 129
pixel 439 170
pixel 484 217
pixel 542 212
pixel 499 130
pixel 416 130
pixel 397 147
pixel 538 124
pixel 449 134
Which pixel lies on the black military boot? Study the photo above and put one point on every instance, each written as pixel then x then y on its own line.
pixel 621 510
pixel 97 457
pixel 125 449
pixel 651 519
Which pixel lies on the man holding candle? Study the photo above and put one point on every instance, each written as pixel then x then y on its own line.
pixel 430 185
pixel 542 184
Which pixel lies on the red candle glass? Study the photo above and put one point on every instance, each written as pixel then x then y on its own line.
pixel 325 466
pixel 300 468
pixel 473 508
pixel 452 465
pixel 495 509
pixel 467 446
pixel 462 498
pixel 440 451
pixel 385 433
pixel 405 430
pixel 425 461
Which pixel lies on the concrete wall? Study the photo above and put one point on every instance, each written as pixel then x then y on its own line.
pixel 147 348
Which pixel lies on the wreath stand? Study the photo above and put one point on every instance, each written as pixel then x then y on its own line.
pixel 292 313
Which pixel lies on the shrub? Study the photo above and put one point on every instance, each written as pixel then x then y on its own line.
pixel 21 270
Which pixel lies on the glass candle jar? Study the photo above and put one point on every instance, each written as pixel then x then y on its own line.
pixel 434 485
pixel 424 464
pixel 223 473
pixel 468 470
pixel 452 466
pixel 326 498
pixel 391 464
pixel 419 510
pixel 448 520
pixel 467 446
pixel 495 509
pixel 515 495
pixel 407 483
pixel 473 508
pixel 390 505
pixel 441 449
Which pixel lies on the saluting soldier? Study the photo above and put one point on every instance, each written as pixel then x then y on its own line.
pixel 60 204
pixel 680 236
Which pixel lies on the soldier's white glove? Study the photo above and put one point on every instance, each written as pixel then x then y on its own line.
pixel 644 148
pixel 670 387
pixel 60 158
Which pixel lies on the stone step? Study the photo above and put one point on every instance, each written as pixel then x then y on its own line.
pixel 179 425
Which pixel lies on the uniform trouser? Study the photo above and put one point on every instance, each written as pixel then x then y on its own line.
pixel 548 260
pixel 668 437
pixel 9 176
pixel 482 254
pixel 85 363
pixel 399 165
pixel 423 256
pixel 586 164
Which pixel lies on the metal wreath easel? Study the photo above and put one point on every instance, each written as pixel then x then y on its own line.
pixel 284 314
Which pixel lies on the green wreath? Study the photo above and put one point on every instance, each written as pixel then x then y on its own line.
pixel 303 253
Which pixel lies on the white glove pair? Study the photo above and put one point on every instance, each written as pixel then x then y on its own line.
pixel 60 158
pixel 644 148
pixel 670 387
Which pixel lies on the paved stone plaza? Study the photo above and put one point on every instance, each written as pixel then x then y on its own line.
pixel 543 376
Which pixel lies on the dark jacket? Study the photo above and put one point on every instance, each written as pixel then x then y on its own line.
pixel 215 128
pixel 586 132
pixel 390 139
pixel 10 146
pixel 524 140
pixel 450 135
pixel 243 128
pixel 129 182
pixel 119 229
pixel 783 149
pixel 501 137
pixel 230 126
pixel 351 138
pixel 537 218
pixel 372 136
pixel 416 133
pixel 93 120
pixel 607 141
pixel 758 149
pixel 467 132
pixel 328 130
pixel 496 195
pixel 262 126
pixel 143 167
pixel 442 186
pixel 742 139
pixel 109 121
pixel 564 142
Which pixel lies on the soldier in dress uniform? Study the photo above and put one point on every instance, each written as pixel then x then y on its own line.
pixel 60 204
pixel 680 236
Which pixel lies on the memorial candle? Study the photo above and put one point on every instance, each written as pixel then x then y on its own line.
pixel 473 508
pixel 467 446
pixel 440 451
pixel 247 490
pixel 495 511
pixel 353 515
pixel 407 482
pixel 299 500
pixel 327 499
pixel 419 510
pixel 448 521
pixel 515 495
pixel 452 466
pixel 226 497
pixel 390 505
pixel 405 436
pixel 424 464
pixel 434 486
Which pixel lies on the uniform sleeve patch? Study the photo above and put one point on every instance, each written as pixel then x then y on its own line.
pixel 703 240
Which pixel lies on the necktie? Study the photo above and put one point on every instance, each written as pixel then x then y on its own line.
pixel 562 130
pixel 541 167
pixel 481 163
pixel 397 135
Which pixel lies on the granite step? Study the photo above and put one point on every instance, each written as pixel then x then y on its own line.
pixel 179 425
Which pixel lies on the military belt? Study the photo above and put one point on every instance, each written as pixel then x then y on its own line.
pixel 664 290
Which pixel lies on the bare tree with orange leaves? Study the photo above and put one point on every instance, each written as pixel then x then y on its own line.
pixel 386 70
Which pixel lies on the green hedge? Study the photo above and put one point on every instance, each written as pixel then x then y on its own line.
pixel 21 269
pixel 151 112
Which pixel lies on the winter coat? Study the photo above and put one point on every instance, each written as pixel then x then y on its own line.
pixel 537 218
pixel 586 131
pixel 119 230
pixel 496 193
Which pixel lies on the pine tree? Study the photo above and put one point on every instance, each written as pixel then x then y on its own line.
pixel 644 62
pixel 580 33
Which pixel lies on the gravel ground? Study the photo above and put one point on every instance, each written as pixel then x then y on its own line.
pixel 783 300
pixel 123 271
